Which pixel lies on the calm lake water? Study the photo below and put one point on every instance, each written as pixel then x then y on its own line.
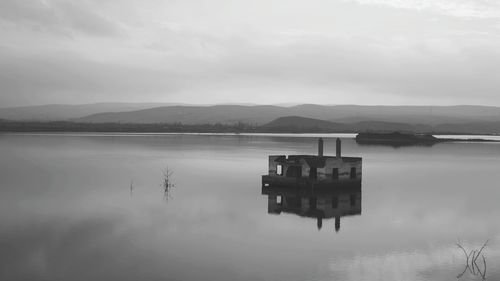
pixel 92 207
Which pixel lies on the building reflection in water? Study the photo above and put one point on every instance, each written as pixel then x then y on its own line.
pixel 320 203
pixel 315 186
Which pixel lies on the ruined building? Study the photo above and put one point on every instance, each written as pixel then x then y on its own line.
pixel 313 170
pixel 314 186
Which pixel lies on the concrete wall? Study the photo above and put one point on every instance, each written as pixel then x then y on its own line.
pixel 305 168
pixel 273 165
pixel 344 169
pixel 325 173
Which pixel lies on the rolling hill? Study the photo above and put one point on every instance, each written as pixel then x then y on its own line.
pixel 306 117
pixel 290 124
pixel 296 124
pixel 225 114
pixel 62 112
pixel 262 114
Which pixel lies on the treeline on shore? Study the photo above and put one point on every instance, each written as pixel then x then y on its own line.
pixel 239 127
pixel 66 126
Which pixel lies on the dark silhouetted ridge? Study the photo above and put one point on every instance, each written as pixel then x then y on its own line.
pixel 302 125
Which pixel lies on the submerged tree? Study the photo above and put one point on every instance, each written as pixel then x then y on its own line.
pixel 167 183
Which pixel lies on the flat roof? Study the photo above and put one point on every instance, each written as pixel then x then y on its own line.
pixel 310 156
pixel 313 160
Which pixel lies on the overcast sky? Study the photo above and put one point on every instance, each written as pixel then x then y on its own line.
pixel 255 51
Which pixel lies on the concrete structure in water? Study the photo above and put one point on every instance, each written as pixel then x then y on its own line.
pixel 314 170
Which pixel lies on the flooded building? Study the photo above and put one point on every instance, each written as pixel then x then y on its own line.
pixel 313 170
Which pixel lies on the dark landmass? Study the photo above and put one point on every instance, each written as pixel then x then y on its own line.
pixel 64 126
pixel 398 139
pixel 297 124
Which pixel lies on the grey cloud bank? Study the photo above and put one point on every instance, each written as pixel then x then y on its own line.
pixel 330 52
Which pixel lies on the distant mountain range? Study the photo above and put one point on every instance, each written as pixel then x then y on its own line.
pixel 307 117
pixel 301 124
pixel 296 124
pixel 262 114
pixel 65 112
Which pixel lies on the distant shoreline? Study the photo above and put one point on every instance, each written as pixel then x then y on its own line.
pixel 54 127
pixel 305 118
pixel 398 139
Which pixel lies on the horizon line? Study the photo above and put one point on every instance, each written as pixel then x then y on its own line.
pixel 165 104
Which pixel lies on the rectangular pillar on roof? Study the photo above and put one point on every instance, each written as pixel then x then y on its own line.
pixel 320 147
pixel 339 148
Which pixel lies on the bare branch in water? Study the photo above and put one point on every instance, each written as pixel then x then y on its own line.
pixel 480 250
pixel 167 183
pixel 463 249
pixel 484 263
pixel 470 261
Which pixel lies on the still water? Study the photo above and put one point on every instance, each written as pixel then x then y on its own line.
pixel 93 207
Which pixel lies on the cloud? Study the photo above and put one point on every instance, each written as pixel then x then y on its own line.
pixel 350 51
pixel 67 77
pixel 458 8
pixel 58 16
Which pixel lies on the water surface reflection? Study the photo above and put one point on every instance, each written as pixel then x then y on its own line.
pixel 66 212
pixel 320 203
